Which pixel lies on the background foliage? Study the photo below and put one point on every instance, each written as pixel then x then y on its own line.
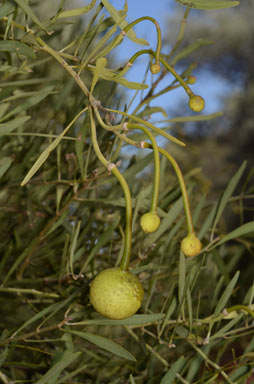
pixel 67 223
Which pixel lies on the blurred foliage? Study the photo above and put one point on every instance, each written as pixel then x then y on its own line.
pixel 67 223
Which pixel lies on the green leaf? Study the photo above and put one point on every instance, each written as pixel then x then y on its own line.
pixel 240 231
pixel 100 65
pixel 14 46
pixel 117 15
pixel 5 163
pixel 133 320
pixel 29 103
pixel 104 238
pixel 106 344
pixel 189 49
pixel 228 193
pixel 45 154
pixel 181 280
pixel 6 9
pixel 77 11
pixel 8 127
pixel 208 4
pixel 226 295
pixel 170 376
pixel 29 12
pixel 55 371
pixel 53 308
pixel 186 119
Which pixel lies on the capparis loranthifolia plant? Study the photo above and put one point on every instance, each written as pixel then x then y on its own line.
pixel 88 240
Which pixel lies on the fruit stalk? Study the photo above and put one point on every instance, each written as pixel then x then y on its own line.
pixel 113 169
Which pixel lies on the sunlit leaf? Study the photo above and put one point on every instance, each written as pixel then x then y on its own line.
pixel 117 15
pixel 208 4
pixel 77 11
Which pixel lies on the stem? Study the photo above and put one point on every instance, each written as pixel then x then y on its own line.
pixel 65 65
pixel 158 47
pixel 149 125
pixel 128 229
pixel 182 186
pixel 156 183
pixel 29 291
pixel 180 34
pixel 167 66
pixel 214 365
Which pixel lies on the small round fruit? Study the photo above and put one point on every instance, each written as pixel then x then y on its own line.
pixel 150 222
pixel 196 103
pixel 191 245
pixel 155 68
pixel 191 79
pixel 116 294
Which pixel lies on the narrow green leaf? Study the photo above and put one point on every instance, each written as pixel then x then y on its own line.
pixel 240 231
pixel 77 11
pixel 104 238
pixel 117 15
pixel 226 295
pixel 151 110
pixel 30 13
pixel 106 344
pixel 184 119
pixel 8 127
pixel 190 48
pixel 73 247
pixel 208 4
pixel 131 321
pixel 6 9
pixel 29 103
pixel 45 154
pixel 169 377
pixel 66 360
pixel 5 163
pixel 181 279
pixel 228 193
pixel 100 65
pixel 14 46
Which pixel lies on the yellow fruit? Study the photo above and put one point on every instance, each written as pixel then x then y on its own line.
pixel 196 103
pixel 155 68
pixel 150 222
pixel 191 245
pixel 116 294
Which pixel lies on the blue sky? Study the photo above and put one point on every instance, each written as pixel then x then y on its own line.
pixel 212 89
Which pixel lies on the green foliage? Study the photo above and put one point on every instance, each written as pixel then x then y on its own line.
pixel 64 205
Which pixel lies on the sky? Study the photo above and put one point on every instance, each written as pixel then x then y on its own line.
pixel 211 89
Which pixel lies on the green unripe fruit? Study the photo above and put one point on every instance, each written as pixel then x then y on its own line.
pixel 116 294
pixel 196 103
pixel 150 222
pixel 191 79
pixel 191 245
pixel 155 68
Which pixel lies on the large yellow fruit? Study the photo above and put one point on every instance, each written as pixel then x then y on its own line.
pixel 116 294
